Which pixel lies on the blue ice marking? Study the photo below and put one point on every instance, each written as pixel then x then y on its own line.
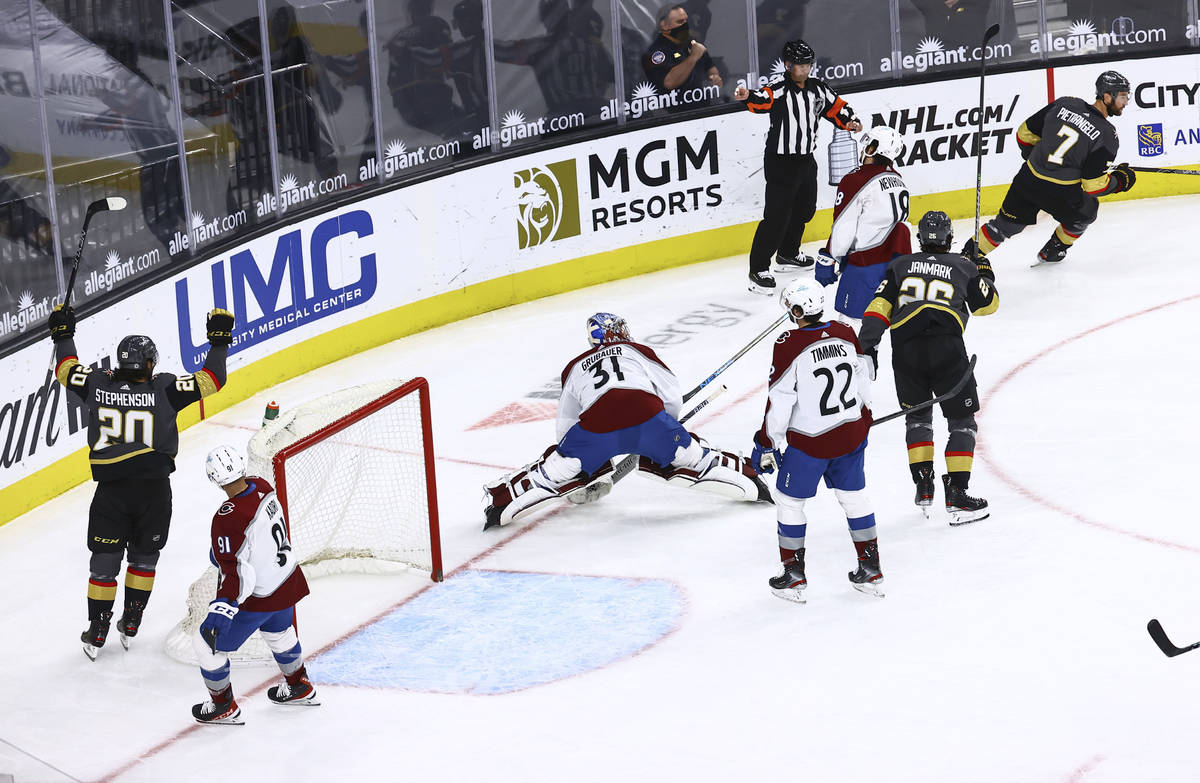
pixel 493 632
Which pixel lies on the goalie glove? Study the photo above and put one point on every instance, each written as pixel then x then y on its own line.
pixel 220 328
pixel 61 323
pixel 218 622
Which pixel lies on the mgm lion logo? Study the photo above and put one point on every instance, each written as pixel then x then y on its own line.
pixel 547 203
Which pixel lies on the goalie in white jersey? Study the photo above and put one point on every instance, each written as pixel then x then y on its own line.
pixel 257 590
pixel 618 398
pixel 869 229
pixel 818 413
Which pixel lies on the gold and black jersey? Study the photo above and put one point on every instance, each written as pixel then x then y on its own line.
pixel 927 293
pixel 132 432
pixel 1073 143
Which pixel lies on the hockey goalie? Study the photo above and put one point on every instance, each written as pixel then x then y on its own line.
pixel 618 398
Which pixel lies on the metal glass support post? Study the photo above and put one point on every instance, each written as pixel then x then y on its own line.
pixel 376 113
pixel 177 114
pixel 47 156
pixel 264 37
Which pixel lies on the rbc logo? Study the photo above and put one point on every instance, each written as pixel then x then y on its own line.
pixel 1150 140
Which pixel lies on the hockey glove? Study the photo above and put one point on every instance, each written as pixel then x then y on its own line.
pixel 1124 176
pixel 220 327
pixel 984 267
pixel 61 323
pixel 762 459
pixel 219 621
pixel 826 273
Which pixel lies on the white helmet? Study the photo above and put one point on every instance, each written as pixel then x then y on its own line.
pixel 224 465
pixel 881 140
pixel 808 295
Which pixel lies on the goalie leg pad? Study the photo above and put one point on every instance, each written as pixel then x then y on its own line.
pixel 520 493
pixel 730 475
pixel 599 484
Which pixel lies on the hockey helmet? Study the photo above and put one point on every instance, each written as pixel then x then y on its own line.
pixel 136 352
pixel 224 465
pixel 881 141
pixel 934 230
pixel 606 328
pixel 1112 83
pixel 797 52
pixel 808 295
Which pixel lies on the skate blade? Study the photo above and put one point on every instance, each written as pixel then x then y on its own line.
pixel 313 702
pixel 869 588
pixel 757 289
pixel 125 642
pixel 926 509
pixel 91 651
pixel 235 720
pixel 959 518
pixel 794 594
pixel 1036 264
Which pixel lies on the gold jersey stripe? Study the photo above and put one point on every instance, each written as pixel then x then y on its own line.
pixel 959 464
pixel 130 455
pixel 990 307
pixel 880 307
pixel 920 453
pixel 64 369
pixel 102 592
pixel 206 384
pixel 139 582
pixel 1027 136
pixel 1039 175
pixel 926 306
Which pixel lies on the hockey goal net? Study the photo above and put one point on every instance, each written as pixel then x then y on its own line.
pixel 354 473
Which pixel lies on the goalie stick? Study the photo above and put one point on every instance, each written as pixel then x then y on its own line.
pixel 627 465
pixel 1160 638
pixel 734 358
pixel 930 403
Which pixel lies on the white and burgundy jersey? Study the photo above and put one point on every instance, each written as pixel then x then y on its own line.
pixel 819 396
pixel 868 217
pixel 614 386
pixel 251 548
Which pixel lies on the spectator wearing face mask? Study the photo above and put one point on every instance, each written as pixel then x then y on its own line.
pixel 676 61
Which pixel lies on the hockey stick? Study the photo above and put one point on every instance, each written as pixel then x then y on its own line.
pixel 988 35
pixel 1193 172
pixel 735 357
pixel 930 403
pixel 1160 638
pixel 627 465
pixel 112 203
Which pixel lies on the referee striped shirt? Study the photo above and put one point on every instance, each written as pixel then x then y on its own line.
pixel 795 111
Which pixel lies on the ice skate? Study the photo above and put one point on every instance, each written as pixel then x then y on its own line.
pixel 131 620
pixel 924 495
pixel 1054 251
pixel 868 577
pixel 961 507
pixel 791 583
pixel 800 261
pixel 223 712
pixel 762 283
pixel 300 693
pixel 95 635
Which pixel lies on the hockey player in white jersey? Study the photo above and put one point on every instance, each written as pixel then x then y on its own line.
pixel 818 414
pixel 259 585
pixel 618 398
pixel 869 229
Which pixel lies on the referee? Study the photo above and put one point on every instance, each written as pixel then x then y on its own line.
pixel 795 103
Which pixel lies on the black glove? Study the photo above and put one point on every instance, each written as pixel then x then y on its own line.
pixel 873 356
pixel 1026 150
pixel 220 327
pixel 984 267
pixel 61 323
pixel 1125 177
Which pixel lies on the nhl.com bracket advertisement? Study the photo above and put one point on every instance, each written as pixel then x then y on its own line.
pixel 515 215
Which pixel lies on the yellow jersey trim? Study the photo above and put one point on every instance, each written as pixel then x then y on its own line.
pixel 123 457
pixel 929 306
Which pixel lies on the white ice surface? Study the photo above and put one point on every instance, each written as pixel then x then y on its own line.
pixel 1012 650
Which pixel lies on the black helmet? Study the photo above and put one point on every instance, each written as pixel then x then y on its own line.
pixel 798 53
pixel 1111 82
pixel 136 352
pixel 934 230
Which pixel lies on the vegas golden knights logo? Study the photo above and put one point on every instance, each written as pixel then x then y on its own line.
pixel 547 203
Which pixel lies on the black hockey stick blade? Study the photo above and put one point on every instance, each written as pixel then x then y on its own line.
pixel 1160 638
pixel 930 403
pixel 991 32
